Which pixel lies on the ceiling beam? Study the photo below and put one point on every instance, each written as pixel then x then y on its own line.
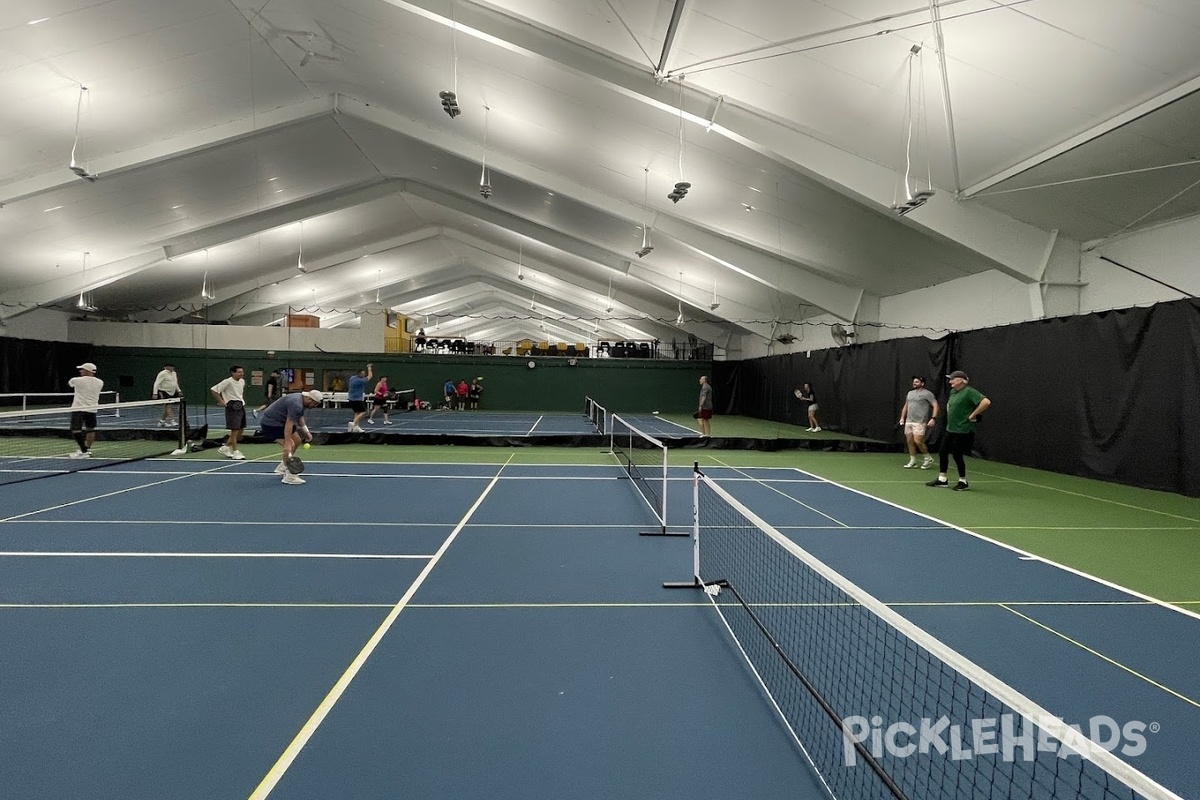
pixel 1095 132
pixel 1014 247
pixel 175 147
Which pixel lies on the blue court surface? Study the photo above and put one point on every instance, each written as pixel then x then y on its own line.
pixel 186 629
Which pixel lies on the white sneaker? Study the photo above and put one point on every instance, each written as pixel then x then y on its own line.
pixel 387 422
pixel 349 427
pixel 254 411
pixel 370 422
pixel 927 463
pixel 80 454
pixel 292 480
pixel 808 429
pixel 816 430
pixel 238 455
pixel 912 462
pixel 356 429
pixel 224 450
pixel 280 469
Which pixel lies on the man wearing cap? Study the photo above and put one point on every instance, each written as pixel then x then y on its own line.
pixel 963 408
pixel 83 408
pixel 283 422
pixel 917 415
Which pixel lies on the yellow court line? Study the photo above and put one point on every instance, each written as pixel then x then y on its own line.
pixel 1088 496
pixel 1103 657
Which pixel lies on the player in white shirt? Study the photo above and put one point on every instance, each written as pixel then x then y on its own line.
pixel 230 394
pixel 166 387
pixel 83 414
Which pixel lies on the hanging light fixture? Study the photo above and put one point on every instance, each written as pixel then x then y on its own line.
pixel 74 167
pixel 681 188
pixel 679 319
pixel 520 250
pixel 207 290
pixel 715 304
pixel 300 255
pixel 449 97
pixel 85 303
pixel 485 180
pixel 646 247
pixel 914 198
pixel 609 305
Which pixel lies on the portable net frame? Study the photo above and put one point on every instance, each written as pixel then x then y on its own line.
pixel 644 459
pixel 110 401
pixel 597 413
pixel 841 668
pixel 40 443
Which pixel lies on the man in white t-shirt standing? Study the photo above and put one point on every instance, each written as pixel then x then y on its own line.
pixel 83 408
pixel 230 393
pixel 166 387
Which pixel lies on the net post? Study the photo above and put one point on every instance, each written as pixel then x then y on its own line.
pixel 694 583
pixel 181 428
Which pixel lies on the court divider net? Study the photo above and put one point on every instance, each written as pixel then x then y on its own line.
pixel 644 459
pixel 879 707
pixel 40 443
pixel 597 413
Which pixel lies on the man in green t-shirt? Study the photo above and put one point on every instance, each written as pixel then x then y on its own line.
pixel 963 408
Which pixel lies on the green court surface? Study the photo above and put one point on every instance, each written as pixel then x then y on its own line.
pixel 1140 539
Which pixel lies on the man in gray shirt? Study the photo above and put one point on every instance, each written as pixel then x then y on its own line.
pixel 704 414
pixel 917 415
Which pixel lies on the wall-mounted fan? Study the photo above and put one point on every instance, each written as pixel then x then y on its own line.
pixel 840 334
pixel 309 41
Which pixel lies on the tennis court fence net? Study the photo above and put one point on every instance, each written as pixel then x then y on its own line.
pixel 597 413
pixel 880 708
pixel 40 443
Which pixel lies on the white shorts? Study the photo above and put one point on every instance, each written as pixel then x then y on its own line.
pixel 914 429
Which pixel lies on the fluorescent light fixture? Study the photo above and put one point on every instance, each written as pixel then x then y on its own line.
pixel 36 21
pixel 55 208
pixel 173 208
pixel 273 179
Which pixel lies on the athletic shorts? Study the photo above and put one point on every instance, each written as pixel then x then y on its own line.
pixel 379 402
pixel 357 406
pixel 914 429
pixel 161 395
pixel 271 433
pixel 235 415
pixel 705 413
pixel 812 407
pixel 83 420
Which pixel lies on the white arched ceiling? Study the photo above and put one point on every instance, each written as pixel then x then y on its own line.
pixel 227 135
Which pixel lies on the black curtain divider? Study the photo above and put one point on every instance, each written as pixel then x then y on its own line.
pixel 27 365
pixel 1110 395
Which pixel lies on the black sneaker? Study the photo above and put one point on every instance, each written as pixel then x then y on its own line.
pixel 936 483
pixel 961 486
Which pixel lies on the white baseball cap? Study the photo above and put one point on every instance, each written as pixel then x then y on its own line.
pixel 89 366
pixel 314 395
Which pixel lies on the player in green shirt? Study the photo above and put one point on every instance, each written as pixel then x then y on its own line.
pixel 963 408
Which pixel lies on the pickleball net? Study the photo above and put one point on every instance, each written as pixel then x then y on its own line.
pixel 39 443
pixel 879 707
pixel 597 413
pixel 644 459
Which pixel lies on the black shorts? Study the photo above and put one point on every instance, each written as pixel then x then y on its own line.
pixel 379 401
pixel 271 433
pixel 235 415
pixel 357 406
pixel 161 395
pixel 83 420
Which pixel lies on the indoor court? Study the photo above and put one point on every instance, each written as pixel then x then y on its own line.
pixel 599 399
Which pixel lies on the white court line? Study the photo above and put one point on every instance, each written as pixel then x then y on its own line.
pixel 115 554
pixel 1019 552
pixel 280 767
pixel 121 491
pixel 535 424
pixel 784 494
pixel 374 475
